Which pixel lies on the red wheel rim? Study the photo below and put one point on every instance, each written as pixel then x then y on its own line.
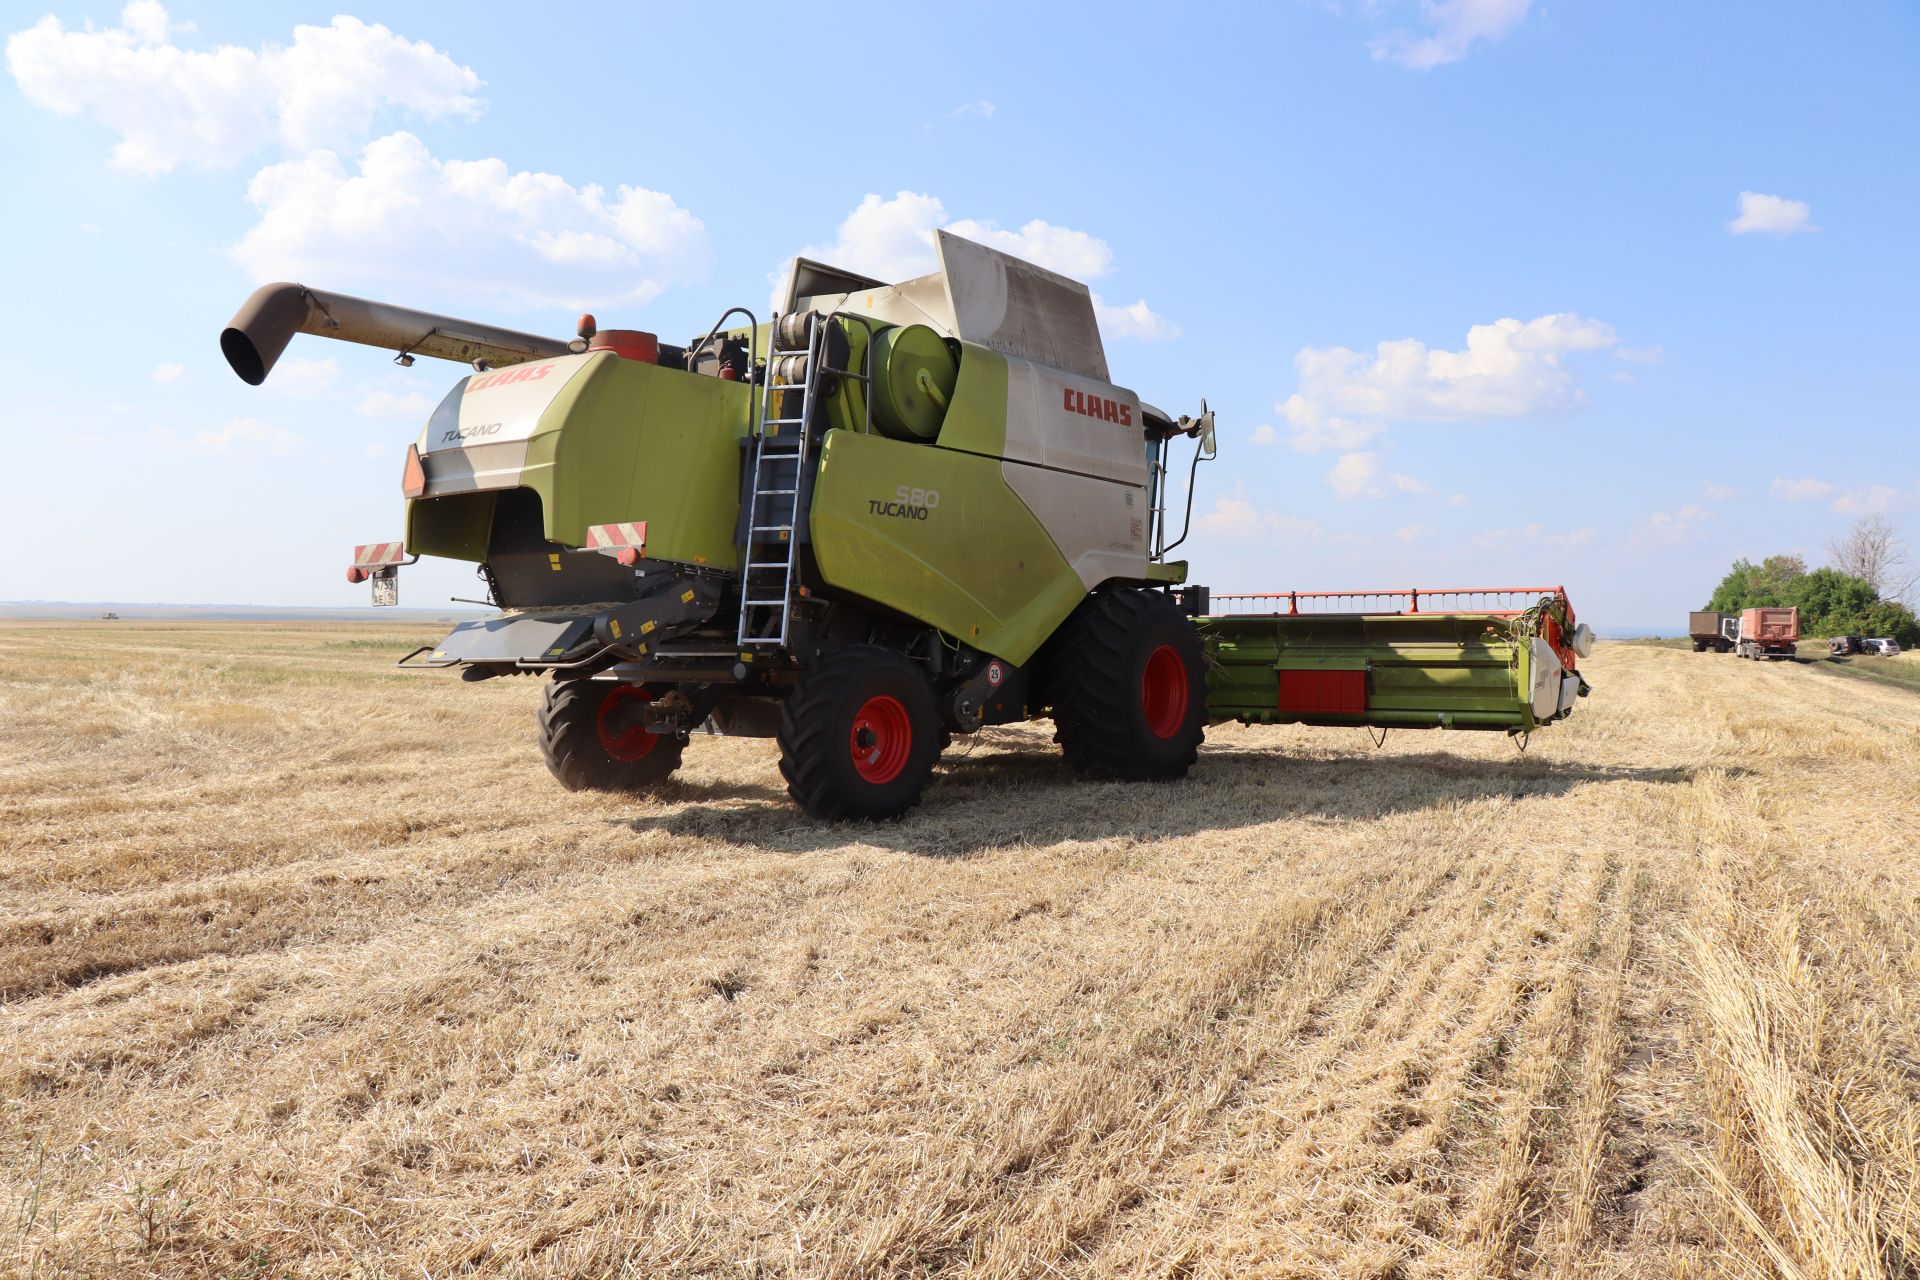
pixel 633 742
pixel 1163 691
pixel 881 739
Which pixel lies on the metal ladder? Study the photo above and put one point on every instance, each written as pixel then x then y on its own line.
pixel 771 558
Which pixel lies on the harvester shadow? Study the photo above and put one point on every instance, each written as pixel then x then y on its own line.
pixel 1031 797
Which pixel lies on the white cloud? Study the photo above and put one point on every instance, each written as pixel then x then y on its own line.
pixel 1137 321
pixel 303 377
pixel 886 239
pixel 1357 475
pixel 207 108
pixel 1535 534
pixel 240 437
pixel 1872 499
pixel 1719 492
pixel 1071 253
pixel 1451 28
pixel 1685 525
pixel 1802 490
pixel 1509 369
pixel 1413 533
pixel 1457 500
pixel 1875 499
pixel 1640 355
pixel 1772 215
pixel 374 451
pixel 87 440
pixel 893 240
pixel 90 228
pixel 1263 434
pixel 1291 530
pixel 168 372
pixel 1314 431
pixel 410 225
pixel 388 404
pixel 980 110
pixel 1237 517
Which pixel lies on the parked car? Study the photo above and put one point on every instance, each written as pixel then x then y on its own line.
pixel 1842 646
pixel 1882 646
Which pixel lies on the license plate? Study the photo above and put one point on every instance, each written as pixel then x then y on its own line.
pixel 386 585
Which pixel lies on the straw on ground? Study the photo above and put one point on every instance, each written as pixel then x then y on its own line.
pixel 307 968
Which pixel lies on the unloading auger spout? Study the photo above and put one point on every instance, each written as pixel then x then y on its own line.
pixel 266 322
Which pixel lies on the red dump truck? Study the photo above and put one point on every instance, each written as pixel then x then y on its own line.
pixel 1769 633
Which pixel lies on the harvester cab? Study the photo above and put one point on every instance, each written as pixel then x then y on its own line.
pixel 891 513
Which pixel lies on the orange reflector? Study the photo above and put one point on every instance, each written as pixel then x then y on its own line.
pixel 356 574
pixel 413 481
pixel 628 556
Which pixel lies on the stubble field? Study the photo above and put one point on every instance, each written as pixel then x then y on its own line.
pixel 307 968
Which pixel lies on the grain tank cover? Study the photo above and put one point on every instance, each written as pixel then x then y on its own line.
pixel 1013 306
pixel 978 295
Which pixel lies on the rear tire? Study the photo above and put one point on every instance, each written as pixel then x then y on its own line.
pixel 1127 679
pixel 586 750
pixel 859 735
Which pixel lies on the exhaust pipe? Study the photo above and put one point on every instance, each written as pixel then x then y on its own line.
pixel 267 321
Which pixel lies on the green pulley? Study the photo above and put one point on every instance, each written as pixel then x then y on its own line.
pixel 913 376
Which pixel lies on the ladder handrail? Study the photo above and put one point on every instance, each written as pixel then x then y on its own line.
pixel 750 603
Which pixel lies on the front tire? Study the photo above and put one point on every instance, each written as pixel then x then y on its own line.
pixel 588 748
pixel 1127 679
pixel 859 735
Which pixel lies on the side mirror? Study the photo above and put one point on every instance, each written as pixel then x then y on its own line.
pixel 1207 446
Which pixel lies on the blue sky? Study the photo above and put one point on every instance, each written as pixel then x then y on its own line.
pixel 1483 291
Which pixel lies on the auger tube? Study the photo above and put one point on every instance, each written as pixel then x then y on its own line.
pixel 266 322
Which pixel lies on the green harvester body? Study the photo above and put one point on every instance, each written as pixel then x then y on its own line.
pixel 936 477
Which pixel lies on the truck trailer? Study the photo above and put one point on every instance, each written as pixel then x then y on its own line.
pixel 1709 630
pixel 1769 633
pixel 893 513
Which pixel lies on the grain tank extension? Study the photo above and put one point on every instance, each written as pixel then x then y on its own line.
pixel 890 514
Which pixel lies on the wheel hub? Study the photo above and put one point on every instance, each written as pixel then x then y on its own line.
pixel 623 726
pixel 881 739
pixel 1163 691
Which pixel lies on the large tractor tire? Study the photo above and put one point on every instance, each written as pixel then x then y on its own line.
pixel 587 748
pixel 1127 680
pixel 859 735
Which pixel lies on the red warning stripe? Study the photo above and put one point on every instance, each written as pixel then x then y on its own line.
pixel 612 537
pixel 375 555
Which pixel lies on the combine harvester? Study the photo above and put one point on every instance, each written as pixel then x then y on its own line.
pixel 894 513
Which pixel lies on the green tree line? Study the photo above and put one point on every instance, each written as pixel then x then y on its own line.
pixel 1831 603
